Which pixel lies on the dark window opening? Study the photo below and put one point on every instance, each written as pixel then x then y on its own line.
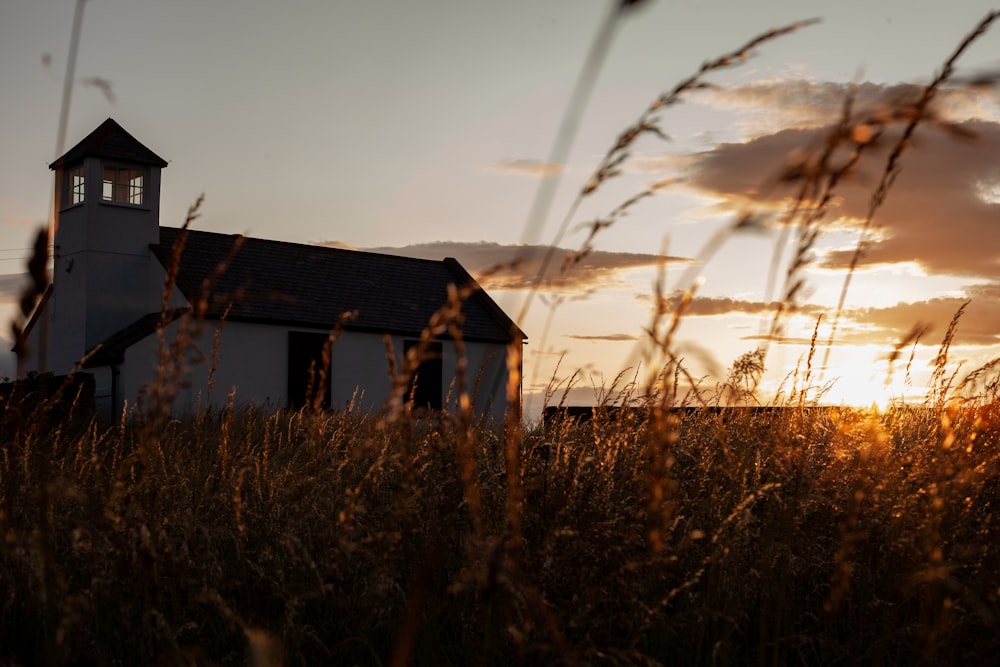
pixel 308 373
pixel 425 385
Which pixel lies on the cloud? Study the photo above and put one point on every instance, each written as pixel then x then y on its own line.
pixel 977 326
pixel 547 353
pixel 714 306
pixel 709 306
pixel 986 291
pixel 782 340
pixel 528 167
pixel 936 213
pixel 340 245
pixel 514 267
pixel 891 324
pixel 615 337
pixel 805 104
pixel 663 163
pixel 880 326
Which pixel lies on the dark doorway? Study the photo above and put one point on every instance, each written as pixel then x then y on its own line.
pixel 307 376
pixel 425 386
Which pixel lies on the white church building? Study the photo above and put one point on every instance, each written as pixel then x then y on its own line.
pixel 254 315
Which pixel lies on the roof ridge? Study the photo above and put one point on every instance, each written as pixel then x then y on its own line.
pixel 268 280
pixel 307 245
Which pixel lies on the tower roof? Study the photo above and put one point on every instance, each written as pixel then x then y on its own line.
pixel 111 141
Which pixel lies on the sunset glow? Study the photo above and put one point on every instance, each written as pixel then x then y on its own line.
pixel 865 381
pixel 432 142
pixel 627 332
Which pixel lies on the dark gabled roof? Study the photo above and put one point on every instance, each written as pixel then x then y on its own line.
pixel 313 286
pixel 110 141
pixel 112 350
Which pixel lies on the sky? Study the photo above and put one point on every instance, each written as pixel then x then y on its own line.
pixel 424 127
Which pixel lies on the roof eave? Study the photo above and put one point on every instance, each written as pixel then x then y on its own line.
pixel 496 311
pixel 93 145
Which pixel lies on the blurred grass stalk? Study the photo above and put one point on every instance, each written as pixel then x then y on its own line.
pixel 654 529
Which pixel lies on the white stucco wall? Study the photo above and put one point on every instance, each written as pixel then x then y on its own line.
pixel 486 377
pixel 104 274
pixel 253 360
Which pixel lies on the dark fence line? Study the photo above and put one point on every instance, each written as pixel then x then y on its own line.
pixel 581 414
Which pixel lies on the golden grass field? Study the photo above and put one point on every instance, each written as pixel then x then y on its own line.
pixel 665 531
pixel 800 535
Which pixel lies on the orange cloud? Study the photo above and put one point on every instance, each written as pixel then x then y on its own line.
pixel 977 326
pixel 804 104
pixel 516 267
pixel 528 167
pixel 704 306
pixel 881 326
pixel 936 213
pixel 615 337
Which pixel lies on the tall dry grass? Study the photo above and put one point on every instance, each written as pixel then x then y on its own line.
pixel 797 535
pixel 661 530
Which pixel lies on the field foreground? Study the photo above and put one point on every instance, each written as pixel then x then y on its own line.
pixel 792 536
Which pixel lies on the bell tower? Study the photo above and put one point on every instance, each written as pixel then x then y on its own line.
pixel 107 204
